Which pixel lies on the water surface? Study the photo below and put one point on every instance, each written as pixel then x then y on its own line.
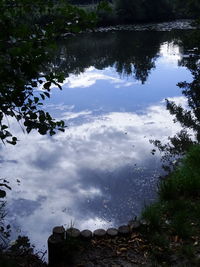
pixel 101 171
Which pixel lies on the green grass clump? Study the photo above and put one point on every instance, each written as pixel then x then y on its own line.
pixel 174 221
pixel 153 215
pixel 184 182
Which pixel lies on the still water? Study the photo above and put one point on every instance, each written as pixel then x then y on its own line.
pixel 101 171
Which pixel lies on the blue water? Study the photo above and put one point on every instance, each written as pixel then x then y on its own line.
pixel 100 172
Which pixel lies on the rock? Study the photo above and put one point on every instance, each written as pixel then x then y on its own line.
pixel 86 234
pixel 124 230
pixel 99 233
pixel 72 232
pixel 133 224
pixel 112 232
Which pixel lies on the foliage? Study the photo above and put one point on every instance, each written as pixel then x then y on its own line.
pixel 105 13
pixel 174 218
pixel 189 115
pixel 153 214
pixel 146 10
pixel 129 11
pixel 185 181
pixel 29 30
pixel 104 5
pixel 186 8
pixel 25 50
pixel 84 2
pixel 21 253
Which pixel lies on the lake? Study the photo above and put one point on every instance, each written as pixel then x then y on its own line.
pixel 101 172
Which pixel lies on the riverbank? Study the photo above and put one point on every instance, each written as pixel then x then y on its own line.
pixel 166 26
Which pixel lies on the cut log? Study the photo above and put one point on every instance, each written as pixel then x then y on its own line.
pixel 99 233
pixel 86 234
pixel 72 232
pixel 59 231
pixel 112 232
pixel 124 230
pixel 55 248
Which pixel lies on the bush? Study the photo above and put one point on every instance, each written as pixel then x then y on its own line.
pixel 106 13
pixel 153 215
pixel 185 181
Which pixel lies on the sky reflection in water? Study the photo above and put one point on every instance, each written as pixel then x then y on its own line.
pixel 100 172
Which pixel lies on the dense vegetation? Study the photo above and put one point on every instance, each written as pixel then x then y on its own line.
pixel 129 11
pixel 173 229
pixel 25 51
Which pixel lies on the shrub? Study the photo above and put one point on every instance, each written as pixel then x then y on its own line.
pixel 185 181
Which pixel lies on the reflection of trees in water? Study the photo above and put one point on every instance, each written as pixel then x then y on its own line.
pixel 189 117
pixel 134 54
pixel 130 53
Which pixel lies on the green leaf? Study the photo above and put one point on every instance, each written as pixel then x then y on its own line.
pixel 47 85
pixel 61 129
pixel 42 96
pixel 36 99
pixel 47 94
pixel 3 127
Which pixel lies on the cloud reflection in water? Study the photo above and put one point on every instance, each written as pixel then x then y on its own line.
pixel 100 172
pixel 97 174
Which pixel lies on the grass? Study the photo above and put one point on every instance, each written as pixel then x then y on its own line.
pixel 184 182
pixel 174 221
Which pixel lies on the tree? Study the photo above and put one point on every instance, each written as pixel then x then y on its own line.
pixel 145 10
pixel 27 37
pixel 185 8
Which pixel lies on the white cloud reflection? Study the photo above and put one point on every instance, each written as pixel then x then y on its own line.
pixel 170 54
pixel 92 75
pixel 88 174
